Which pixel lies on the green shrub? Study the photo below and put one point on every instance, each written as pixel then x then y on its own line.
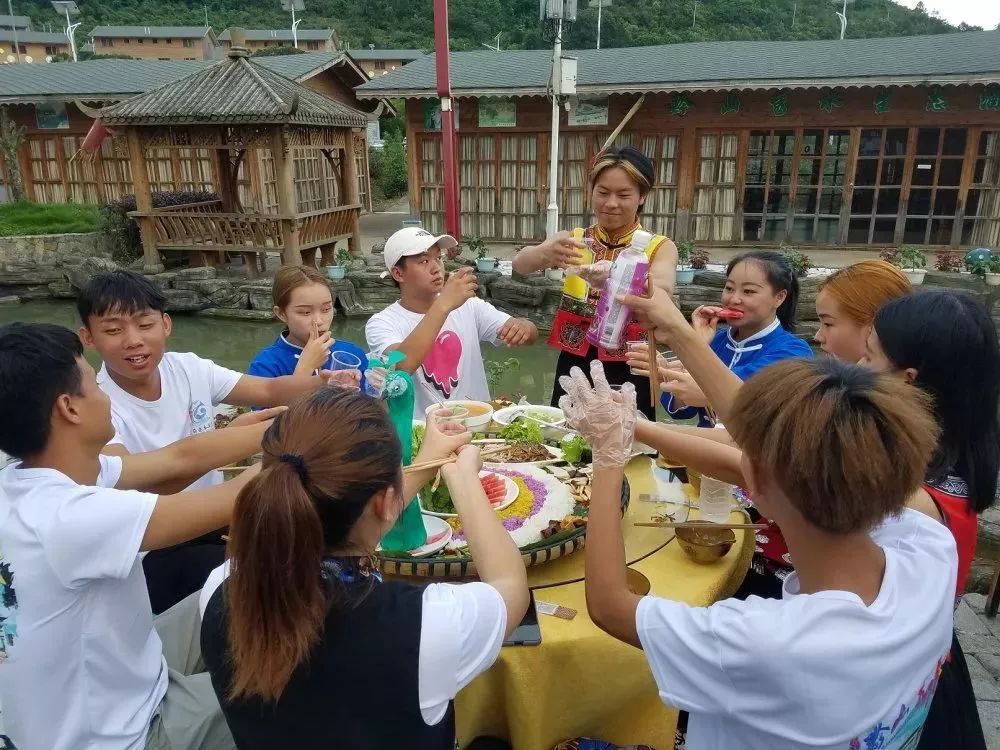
pixel 124 230
pixel 799 261
pixel 388 168
pixel 47 218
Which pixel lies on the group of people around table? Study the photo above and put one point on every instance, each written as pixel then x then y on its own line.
pixel 147 603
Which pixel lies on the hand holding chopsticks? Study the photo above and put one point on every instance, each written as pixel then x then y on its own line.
pixel 438 463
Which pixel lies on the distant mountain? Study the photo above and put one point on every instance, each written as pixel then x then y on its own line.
pixel 626 23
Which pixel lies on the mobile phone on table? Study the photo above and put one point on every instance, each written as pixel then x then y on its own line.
pixel 527 632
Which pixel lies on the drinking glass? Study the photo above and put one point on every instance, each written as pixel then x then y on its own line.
pixel 715 500
pixel 450 415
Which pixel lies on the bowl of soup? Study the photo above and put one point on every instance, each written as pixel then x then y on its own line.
pixel 479 414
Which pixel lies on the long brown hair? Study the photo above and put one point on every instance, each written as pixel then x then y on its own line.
pixel 289 278
pixel 324 459
pixel 862 288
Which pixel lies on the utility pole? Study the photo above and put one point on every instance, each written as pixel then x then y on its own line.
pixel 449 159
pixel 599 4
pixel 555 12
pixel 694 17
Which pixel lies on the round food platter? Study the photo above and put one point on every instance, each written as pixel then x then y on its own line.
pixel 506 485
pixel 540 525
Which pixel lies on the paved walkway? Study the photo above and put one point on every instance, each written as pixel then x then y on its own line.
pixel 980 638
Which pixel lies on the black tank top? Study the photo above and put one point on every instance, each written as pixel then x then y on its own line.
pixel 359 688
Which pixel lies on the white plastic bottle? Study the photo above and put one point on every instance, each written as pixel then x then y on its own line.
pixel 628 276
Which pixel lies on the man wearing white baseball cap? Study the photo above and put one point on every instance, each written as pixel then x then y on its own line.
pixel 438 324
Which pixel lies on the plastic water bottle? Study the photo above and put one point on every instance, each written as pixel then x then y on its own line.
pixel 628 276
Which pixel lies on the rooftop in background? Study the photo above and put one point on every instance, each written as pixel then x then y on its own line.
pixel 18 22
pixel 364 53
pixel 282 35
pixel 965 57
pixel 114 79
pixel 150 32
pixel 236 90
pixel 32 37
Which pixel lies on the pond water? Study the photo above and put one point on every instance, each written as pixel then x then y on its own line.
pixel 233 343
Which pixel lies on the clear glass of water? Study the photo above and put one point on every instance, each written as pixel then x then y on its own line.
pixel 715 500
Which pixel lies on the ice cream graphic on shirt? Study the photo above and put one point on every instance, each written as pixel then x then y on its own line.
pixel 440 367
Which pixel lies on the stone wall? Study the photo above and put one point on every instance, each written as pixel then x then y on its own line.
pixel 39 265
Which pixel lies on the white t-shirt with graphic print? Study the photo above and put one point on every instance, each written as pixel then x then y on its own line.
pixel 190 389
pixel 454 368
pixel 813 670
pixel 81 665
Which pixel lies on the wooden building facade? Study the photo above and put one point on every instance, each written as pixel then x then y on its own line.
pixel 841 161
pixel 56 124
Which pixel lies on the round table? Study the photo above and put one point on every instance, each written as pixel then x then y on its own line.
pixel 581 682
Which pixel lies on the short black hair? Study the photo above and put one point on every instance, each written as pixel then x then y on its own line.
pixel 38 363
pixel 120 291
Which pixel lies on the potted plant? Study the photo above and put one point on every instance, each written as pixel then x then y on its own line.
pixel 685 273
pixel 949 261
pixel 799 261
pixel 699 259
pixel 339 269
pixel 977 261
pixel 914 264
pixel 992 277
pixel 484 261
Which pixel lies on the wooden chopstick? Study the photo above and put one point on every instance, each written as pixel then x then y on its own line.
pixel 427 465
pixel 654 369
pixel 690 525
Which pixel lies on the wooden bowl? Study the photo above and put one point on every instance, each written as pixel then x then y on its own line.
pixel 705 545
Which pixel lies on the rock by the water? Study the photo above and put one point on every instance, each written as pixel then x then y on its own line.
pixel 200 272
pixel 164 280
pixel 185 300
pixel 231 314
pixel 81 275
pixel 61 290
pixel 259 297
pixel 220 292
pixel 10 300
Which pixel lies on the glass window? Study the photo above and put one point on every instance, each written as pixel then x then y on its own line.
pixel 936 174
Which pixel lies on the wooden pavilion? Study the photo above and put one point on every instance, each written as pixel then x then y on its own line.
pixel 231 108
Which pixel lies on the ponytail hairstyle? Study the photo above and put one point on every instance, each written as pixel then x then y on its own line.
pixel 949 338
pixel 314 486
pixel 780 277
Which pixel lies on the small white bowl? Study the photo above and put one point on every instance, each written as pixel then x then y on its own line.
pixel 474 421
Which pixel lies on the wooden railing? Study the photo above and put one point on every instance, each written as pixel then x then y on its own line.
pixel 327 225
pixel 202 207
pixel 177 229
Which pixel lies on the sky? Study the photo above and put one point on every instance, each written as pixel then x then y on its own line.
pixel 985 13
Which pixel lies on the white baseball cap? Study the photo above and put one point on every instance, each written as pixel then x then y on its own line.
pixel 413 241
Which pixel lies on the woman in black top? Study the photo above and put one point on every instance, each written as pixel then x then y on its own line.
pixel 306 646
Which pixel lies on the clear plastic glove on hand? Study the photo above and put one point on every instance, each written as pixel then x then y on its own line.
pixel 596 274
pixel 604 418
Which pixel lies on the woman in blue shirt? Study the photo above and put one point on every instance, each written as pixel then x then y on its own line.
pixel 303 302
pixel 761 287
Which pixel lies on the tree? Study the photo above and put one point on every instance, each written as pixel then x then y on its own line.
pixel 11 140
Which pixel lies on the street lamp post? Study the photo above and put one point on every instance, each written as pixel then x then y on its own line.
pixel 842 17
pixel 294 5
pixel 68 8
pixel 599 4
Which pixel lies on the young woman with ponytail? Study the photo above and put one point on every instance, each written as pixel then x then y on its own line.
pixel 306 646
pixel 762 291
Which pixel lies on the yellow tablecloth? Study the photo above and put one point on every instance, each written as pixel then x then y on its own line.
pixel 581 681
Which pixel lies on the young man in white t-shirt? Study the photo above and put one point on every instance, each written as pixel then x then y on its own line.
pixel 81 665
pixel 437 324
pixel 849 657
pixel 159 397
